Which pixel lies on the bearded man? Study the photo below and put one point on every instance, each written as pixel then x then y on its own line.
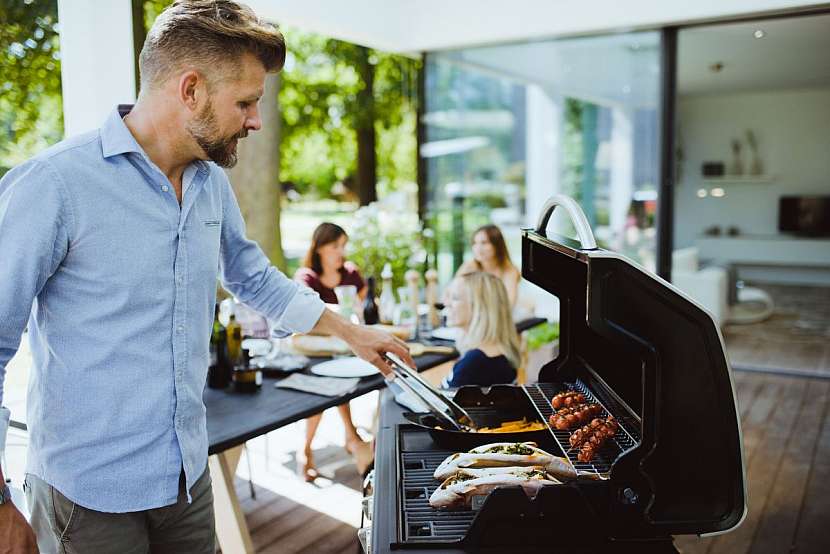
pixel 111 245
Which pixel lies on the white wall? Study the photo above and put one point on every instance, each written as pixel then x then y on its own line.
pixel 793 131
pixel 97 68
pixel 413 26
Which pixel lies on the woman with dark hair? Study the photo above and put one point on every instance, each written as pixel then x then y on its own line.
pixel 324 269
pixel 491 256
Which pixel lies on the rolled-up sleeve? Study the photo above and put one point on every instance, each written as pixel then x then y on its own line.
pixel 249 275
pixel 35 217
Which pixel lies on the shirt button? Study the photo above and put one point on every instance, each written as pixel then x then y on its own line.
pixel 180 280
pixel 180 328
pixel 164 188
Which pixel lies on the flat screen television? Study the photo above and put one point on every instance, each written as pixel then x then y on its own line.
pixel 804 215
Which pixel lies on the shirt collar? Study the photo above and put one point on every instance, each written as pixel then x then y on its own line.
pixel 117 139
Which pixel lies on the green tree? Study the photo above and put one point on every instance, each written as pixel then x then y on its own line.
pixel 31 115
pixel 338 99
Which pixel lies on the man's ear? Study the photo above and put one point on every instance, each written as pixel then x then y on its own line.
pixel 191 89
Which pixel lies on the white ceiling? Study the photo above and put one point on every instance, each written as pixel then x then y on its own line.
pixel 619 69
pixel 422 25
pixel 794 53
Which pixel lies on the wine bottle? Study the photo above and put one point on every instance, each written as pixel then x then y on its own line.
pixel 234 340
pixel 371 315
pixel 219 371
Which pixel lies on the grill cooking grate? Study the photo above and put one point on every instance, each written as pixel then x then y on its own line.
pixel 421 523
pixel 541 394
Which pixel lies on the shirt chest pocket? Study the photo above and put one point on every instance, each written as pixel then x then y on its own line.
pixel 203 236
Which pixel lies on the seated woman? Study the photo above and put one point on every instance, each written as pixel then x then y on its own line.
pixel 325 268
pixel 491 256
pixel 490 344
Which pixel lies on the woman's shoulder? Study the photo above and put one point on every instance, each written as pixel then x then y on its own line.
pixel 469 266
pixel 350 268
pixel 474 353
pixel 351 275
pixel 306 275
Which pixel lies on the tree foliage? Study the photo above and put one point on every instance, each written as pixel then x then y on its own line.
pixel 322 109
pixel 31 115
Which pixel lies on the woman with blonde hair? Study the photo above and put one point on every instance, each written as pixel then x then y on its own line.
pixel 491 256
pixel 490 344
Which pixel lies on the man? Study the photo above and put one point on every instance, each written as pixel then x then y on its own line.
pixel 113 241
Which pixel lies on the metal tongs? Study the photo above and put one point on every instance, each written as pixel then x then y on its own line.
pixel 439 405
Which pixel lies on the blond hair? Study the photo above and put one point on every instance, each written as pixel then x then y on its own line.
pixel 491 320
pixel 210 36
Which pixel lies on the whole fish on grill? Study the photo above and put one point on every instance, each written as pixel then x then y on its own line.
pixel 505 454
pixel 458 490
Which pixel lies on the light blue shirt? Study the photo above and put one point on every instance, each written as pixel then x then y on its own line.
pixel 117 282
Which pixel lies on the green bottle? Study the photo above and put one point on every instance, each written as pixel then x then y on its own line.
pixel 234 333
pixel 219 371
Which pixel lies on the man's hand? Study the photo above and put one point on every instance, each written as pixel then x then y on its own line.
pixel 16 534
pixel 369 344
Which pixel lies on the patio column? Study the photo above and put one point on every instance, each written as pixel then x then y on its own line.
pixel 97 62
pixel 621 185
pixel 544 150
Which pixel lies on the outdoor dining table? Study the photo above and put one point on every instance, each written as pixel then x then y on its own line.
pixel 234 418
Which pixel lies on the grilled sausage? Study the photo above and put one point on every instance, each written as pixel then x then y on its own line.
pixel 567 398
pixel 570 417
pixel 594 433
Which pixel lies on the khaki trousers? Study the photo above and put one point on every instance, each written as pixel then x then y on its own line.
pixel 63 527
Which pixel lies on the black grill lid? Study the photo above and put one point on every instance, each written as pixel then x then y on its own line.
pixel 662 358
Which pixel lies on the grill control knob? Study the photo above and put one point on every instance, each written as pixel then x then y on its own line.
pixel 629 496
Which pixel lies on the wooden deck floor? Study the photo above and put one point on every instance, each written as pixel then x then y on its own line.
pixel 786 429
pixel 280 525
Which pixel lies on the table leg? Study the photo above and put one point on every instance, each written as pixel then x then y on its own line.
pixel 231 529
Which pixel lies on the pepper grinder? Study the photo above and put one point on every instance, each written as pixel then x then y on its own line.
pixel 432 297
pixel 412 277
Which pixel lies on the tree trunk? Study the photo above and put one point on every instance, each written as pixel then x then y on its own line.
pixel 365 130
pixel 255 178
pixel 139 36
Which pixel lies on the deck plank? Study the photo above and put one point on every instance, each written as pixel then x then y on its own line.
pixel 776 530
pixel 813 532
pixel 764 464
pixel 269 538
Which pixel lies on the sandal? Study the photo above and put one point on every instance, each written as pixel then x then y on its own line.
pixel 362 454
pixel 306 467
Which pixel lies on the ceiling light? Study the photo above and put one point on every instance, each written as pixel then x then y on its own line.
pixel 718 192
pixel 759 33
pixel 701 193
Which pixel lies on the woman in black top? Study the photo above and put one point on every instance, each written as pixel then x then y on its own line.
pixel 478 303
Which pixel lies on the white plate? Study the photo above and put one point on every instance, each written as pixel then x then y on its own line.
pixel 344 367
pixel 447 333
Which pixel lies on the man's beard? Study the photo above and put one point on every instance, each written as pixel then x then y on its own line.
pixel 205 132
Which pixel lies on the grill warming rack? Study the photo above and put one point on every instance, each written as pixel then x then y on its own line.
pixel 541 394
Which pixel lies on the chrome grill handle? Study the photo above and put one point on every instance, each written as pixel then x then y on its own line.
pixel 583 228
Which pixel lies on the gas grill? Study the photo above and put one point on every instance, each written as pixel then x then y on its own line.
pixel 651 358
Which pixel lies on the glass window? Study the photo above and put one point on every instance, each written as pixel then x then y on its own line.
pixel 508 126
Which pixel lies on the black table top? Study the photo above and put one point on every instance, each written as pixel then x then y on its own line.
pixel 233 417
